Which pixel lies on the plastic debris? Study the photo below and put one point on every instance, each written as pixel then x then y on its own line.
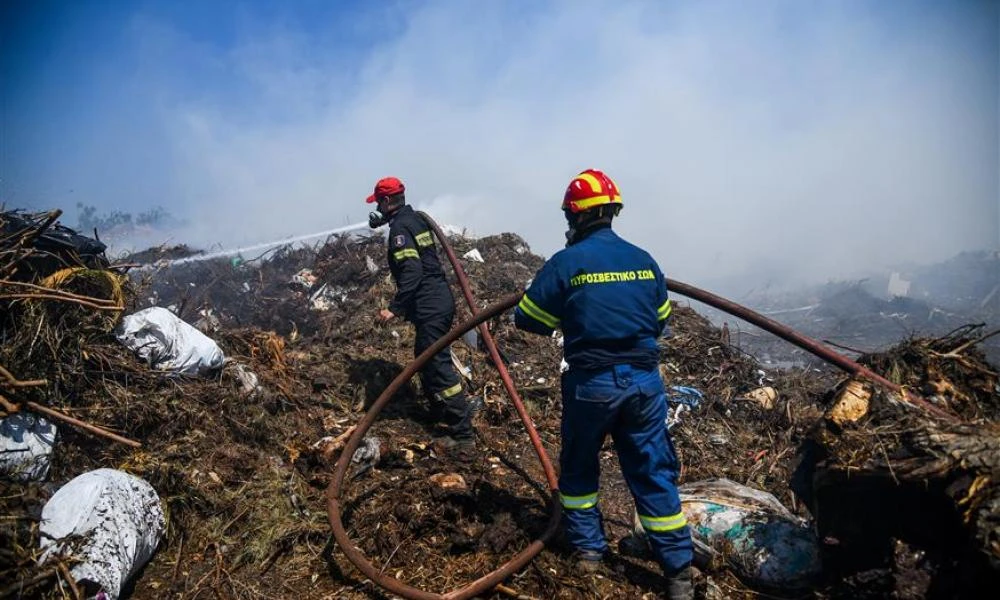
pixel 207 321
pixel 681 399
pixel 112 521
pixel 165 342
pixel 760 538
pixel 367 455
pixel 248 380
pixel 304 278
pixel 474 255
pixel 26 442
pixel 462 369
pixel 326 297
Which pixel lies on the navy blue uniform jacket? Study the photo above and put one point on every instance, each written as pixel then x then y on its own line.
pixel 422 292
pixel 608 296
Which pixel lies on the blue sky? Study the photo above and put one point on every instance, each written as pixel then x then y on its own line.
pixel 773 138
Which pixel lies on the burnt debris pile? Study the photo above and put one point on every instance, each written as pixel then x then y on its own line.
pixel 237 436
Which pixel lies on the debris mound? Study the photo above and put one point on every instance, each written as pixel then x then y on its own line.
pixel 889 474
pixel 241 456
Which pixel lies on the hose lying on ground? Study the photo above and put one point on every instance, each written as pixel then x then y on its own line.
pixel 334 491
pixel 479 318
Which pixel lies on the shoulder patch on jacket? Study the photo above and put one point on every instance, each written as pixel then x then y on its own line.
pixel 399 241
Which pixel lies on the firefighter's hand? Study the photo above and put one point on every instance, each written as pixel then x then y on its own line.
pixel 385 315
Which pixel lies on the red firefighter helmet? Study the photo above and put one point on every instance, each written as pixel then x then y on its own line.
pixel 387 186
pixel 590 189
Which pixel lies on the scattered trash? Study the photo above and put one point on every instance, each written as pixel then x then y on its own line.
pixel 304 278
pixel 752 530
pixel 326 297
pixel 748 529
pixel 167 343
pixel 851 403
pixel 26 442
pixel 111 520
pixel 248 380
pixel 367 455
pixel 449 481
pixel 462 369
pixel 764 396
pixel 474 255
pixel 471 339
pixel 681 399
pixel 370 265
pixel 207 321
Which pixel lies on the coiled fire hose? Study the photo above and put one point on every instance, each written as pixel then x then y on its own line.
pixel 334 491
pixel 479 317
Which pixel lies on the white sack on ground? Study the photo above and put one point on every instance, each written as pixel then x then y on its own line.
pixel 166 342
pixel 26 442
pixel 118 520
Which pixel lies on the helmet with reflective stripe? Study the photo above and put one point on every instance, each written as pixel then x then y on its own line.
pixel 590 189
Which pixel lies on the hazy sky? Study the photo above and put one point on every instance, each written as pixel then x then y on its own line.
pixel 772 139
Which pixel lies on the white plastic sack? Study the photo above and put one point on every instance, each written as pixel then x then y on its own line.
pixel 760 538
pixel 26 442
pixel 119 520
pixel 166 342
pixel 474 254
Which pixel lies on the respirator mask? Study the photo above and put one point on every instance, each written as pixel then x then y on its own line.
pixel 377 219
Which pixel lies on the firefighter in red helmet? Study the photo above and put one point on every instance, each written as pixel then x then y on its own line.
pixel 424 298
pixel 609 298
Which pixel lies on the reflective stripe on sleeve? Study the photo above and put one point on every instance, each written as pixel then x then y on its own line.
pixel 578 502
pixel 664 311
pixel 532 310
pixel 423 239
pixel 405 253
pixel 448 393
pixel 670 523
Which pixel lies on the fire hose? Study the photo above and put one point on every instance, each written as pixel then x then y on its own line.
pixel 479 318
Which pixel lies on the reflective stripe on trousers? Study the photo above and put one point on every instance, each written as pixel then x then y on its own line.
pixel 629 405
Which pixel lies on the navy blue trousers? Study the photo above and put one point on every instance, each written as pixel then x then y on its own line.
pixel 630 405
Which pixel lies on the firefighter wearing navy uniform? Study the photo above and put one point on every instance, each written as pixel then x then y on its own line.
pixel 609 298
pixel 424 298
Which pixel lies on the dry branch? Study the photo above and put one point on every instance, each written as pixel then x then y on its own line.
pixel 94 429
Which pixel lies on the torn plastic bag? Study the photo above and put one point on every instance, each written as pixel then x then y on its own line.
pixel 165 342
pixel 26 442
pixel 680 400
pixel 761 541
pixel 760 538
pixel 113 522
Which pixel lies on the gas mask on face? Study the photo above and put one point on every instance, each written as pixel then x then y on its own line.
pixel 571 228
pixel 376 220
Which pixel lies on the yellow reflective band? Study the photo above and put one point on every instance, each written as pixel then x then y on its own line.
pixel 424 239
pixel 663 523
pixel 448 393
pixel 594 183
pixel 406 253
pixel 596 201
pixel 578 502
pixel 664 311
pixel 531 309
